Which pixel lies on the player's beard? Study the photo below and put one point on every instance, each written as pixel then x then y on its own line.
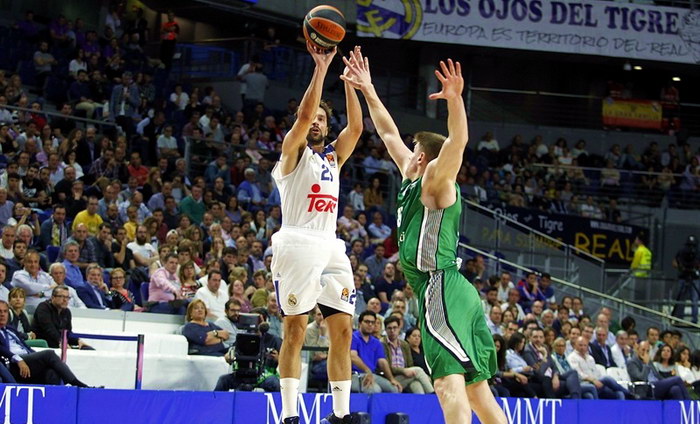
pixel 315 139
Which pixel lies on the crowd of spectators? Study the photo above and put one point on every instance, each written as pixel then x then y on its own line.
pixel 99 218
pixel 554 349
pixel 567 179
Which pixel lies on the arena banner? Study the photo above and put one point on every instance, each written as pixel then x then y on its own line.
pixel 30 404
pixel 154 406
pixel 38 404
pixel 266 408
pixel 632 113
pixel 603 239
pixel 592 27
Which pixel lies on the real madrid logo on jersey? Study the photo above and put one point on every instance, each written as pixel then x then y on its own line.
pixel 292 300
pixel 331 159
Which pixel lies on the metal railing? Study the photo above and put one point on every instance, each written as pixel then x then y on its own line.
pixel 643 315
pixel 293 66
pixel 99 124
pixel 631 186
pixel 201 61
pixel 492 230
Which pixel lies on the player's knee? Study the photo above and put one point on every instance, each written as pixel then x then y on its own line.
pixel 295 336
pixel 341 336
pixel 445 390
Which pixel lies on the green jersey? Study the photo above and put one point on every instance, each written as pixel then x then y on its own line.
pixel 454 334
pixel 427 237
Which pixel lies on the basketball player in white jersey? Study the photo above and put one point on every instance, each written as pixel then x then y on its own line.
pixel 309 264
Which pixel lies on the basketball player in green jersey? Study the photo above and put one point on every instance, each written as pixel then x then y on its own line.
pixel 458 346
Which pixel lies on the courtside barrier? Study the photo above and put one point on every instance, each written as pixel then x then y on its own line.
pixel 70 405
pixel 138 379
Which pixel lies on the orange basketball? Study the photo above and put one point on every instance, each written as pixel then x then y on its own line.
pixel 324 26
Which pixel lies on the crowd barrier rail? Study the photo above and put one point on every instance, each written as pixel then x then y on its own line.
pixel 138 379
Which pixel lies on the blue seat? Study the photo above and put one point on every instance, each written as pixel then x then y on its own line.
pixel 52 253
pixel 144 292
pixel 106 277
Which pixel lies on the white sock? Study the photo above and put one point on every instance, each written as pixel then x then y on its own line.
pixel 289 388
pixel 341 397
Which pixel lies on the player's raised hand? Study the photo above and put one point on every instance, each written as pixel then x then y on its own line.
pixel 346 70
pixel 451 80
pixel 322 57
pixel 358 76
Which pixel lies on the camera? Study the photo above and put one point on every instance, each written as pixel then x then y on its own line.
pixel 248 355
pixel 687 260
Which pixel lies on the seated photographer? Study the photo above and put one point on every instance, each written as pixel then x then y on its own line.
pixel 204 338
pixel 261 372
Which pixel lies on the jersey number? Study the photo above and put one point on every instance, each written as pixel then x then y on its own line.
pixel 399 211
pixel 326 174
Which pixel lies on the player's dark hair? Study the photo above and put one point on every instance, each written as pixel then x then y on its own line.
pixel 430 143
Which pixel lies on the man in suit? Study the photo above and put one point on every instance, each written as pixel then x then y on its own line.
pixel 53 316
pixel 641 368
pixel 554 384
pixel 28 366
pixel 54 231
pixel 600 350
pixel 94 293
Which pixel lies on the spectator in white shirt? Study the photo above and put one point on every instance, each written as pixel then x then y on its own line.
pixel 378 231
pixel 179 97
pixel 144 252
pixel 167 144
pixel 58 273
pixel 36 283
pixel 489 143
pixel 504 286
pixel 214 295
pixel 585 366
pixel 621 350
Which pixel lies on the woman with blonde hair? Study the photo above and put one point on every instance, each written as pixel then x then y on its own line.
pixel 121 297
pixel 217 246
pixel 194 235
pixel 204 338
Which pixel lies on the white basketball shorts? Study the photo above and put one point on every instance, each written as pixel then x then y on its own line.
pixel 310 267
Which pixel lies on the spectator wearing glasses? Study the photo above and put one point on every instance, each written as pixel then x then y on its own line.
pixel 120 296
pixel 58 273
pixel 52 316
pixel 367 354
pixel 398 354
pixel 228 323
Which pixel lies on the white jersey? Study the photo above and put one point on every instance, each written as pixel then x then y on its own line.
pixel 309 194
